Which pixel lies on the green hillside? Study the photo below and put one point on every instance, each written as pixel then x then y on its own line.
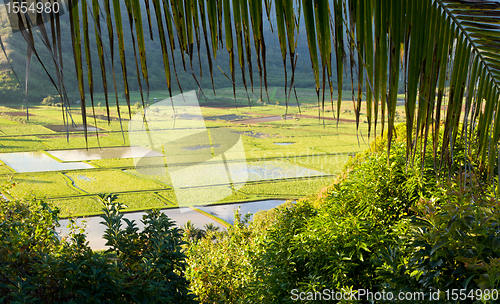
pixel 41 86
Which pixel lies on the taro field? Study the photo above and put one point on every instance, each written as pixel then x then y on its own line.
pixel 228 151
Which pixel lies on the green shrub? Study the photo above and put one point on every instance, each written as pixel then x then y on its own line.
pixel 36 266
pixel 335 244
pixel 222 264
pixel 454 244
pixel 386 225
pixel 279 268
pixel 51 100
pixel 311 246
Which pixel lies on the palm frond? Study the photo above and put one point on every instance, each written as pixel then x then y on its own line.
pixel 446 51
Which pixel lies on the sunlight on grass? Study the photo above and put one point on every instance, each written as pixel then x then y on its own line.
pixel 321 145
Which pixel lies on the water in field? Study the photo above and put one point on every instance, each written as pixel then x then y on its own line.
pixel 199 147
pixel 242 172
pixel 38 162
pixel 95 230
pixel 268 170
pixel 103 153
pixel 69 128
pixel 283 143
pixel 226 211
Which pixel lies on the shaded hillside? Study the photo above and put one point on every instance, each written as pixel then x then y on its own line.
pixel 40 85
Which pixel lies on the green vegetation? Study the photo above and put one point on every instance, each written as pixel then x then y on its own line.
pixel 141 201
pixel 87 205
pixel 35 266
pixel 132 201
pixel 381 226
pixel 288 189
pixel 114 163
pixel 420 216
pixel 102 181
pixel 40 86
pixel 316 146
pixel 50 184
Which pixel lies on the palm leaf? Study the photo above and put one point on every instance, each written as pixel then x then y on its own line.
pixel 100 51
pixel 121 46
pixel 446 50
pixel 88 59
pixel 163 42
pixel 130 10
pixel 77 55
pixel 140 38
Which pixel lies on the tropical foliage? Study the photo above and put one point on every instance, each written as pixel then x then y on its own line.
pixel 445 50
pixel 380 227
pixel 36 266
pixel 384 224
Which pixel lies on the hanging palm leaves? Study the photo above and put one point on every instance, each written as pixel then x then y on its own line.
pixel 445 50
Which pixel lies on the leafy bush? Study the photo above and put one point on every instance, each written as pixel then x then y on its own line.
pixel 454 244
pixel 384 225
pixel 334 243
pixel 312 245
pixel 10 91
pixel 51 100
pixel 36 266
pixel 221 265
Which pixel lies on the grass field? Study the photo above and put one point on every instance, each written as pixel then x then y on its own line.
pixel 318 144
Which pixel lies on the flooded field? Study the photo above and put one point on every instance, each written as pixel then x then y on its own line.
pixel 269 170
pixel 226 211
pixel 95 230
pixel 103 153
pixel 23 162
pixel 39 161
pixel 229 154
pixel 63 128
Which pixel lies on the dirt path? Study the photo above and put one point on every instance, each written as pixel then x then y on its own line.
pixel 299 116
pixel 326 118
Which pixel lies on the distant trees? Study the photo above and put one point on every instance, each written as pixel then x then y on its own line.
pixel 51 100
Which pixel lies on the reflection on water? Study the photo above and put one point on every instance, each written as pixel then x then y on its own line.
pixel 69 128
pixel 242 172
pixel 95 230
pixel 37 162
pixel 267 170
pixel 283 143
pixel 103 153
pixel 84 177
pixel 199 147
pixel 226 211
